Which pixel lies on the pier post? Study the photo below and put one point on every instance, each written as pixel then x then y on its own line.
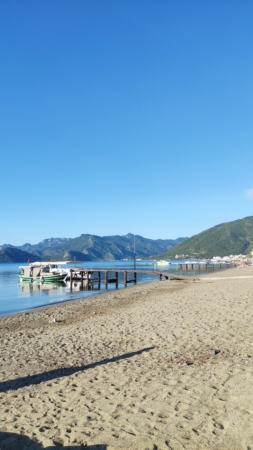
pixel 106 279
pixel 99 279
pixel 88 285
pixel 135 277
pixel 71 279
pixel 117 279
pixel 125 278
pixel 81 273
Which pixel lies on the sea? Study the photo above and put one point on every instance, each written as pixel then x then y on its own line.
pixel 18 297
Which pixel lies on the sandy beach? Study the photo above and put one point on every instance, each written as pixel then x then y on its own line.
pixel 164 365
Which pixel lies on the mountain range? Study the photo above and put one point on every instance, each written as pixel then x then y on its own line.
pixel 228 238
pixel 87 247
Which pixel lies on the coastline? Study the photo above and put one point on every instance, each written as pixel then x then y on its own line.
pixel 21 297
pixel 166 364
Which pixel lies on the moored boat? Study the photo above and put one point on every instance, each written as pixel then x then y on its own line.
pixel 40 273
pixel 50 272
pixel 60 267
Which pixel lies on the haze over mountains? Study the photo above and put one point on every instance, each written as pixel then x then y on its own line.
pixel 87 247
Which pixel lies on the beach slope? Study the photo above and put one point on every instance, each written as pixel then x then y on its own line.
pixel 164 365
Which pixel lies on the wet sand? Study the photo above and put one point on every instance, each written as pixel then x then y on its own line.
pixel 164 365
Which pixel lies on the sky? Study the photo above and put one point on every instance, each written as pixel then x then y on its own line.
pixel 130 116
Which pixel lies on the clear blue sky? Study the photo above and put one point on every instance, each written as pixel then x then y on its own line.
pixel 124 116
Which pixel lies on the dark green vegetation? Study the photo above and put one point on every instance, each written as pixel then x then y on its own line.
pixel 15 255
pixel 89 247
pixel 231 238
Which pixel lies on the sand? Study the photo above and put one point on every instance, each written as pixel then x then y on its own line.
pixel 164 365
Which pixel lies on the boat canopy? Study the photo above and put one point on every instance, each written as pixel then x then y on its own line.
pixel 50 263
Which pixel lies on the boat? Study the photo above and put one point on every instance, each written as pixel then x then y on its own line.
pixel 40 272
pixel 60 267
pixel 162 263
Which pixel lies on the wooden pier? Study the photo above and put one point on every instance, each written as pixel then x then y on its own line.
pixel 206 266
pixel 91 276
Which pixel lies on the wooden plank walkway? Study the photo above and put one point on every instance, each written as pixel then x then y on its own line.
pixel 87 273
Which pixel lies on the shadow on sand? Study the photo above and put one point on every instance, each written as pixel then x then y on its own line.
pixel 13 441
pixel 64 372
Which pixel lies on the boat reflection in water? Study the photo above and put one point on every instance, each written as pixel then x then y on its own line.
pixel 44 288
pixel 78 286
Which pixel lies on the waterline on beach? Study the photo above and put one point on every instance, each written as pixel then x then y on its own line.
pixel 17 297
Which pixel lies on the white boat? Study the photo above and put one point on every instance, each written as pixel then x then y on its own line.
pixel 162 263
pixel 60 268
pixel 40 272
pixel 50 271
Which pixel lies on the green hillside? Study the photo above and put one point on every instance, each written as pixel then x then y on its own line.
pixel 224 239
pixel 15 255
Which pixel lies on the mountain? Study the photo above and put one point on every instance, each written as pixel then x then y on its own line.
pixel 231 238
pixel 89 247
pixel 114 247
pixel 6 246
pixel 46 243
pixel 12 254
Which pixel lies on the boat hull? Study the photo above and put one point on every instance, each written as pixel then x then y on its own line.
pixel 42 279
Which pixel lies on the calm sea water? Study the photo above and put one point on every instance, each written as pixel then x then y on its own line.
pixel 16 297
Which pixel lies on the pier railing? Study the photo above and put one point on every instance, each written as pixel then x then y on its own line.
pixel 206 266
